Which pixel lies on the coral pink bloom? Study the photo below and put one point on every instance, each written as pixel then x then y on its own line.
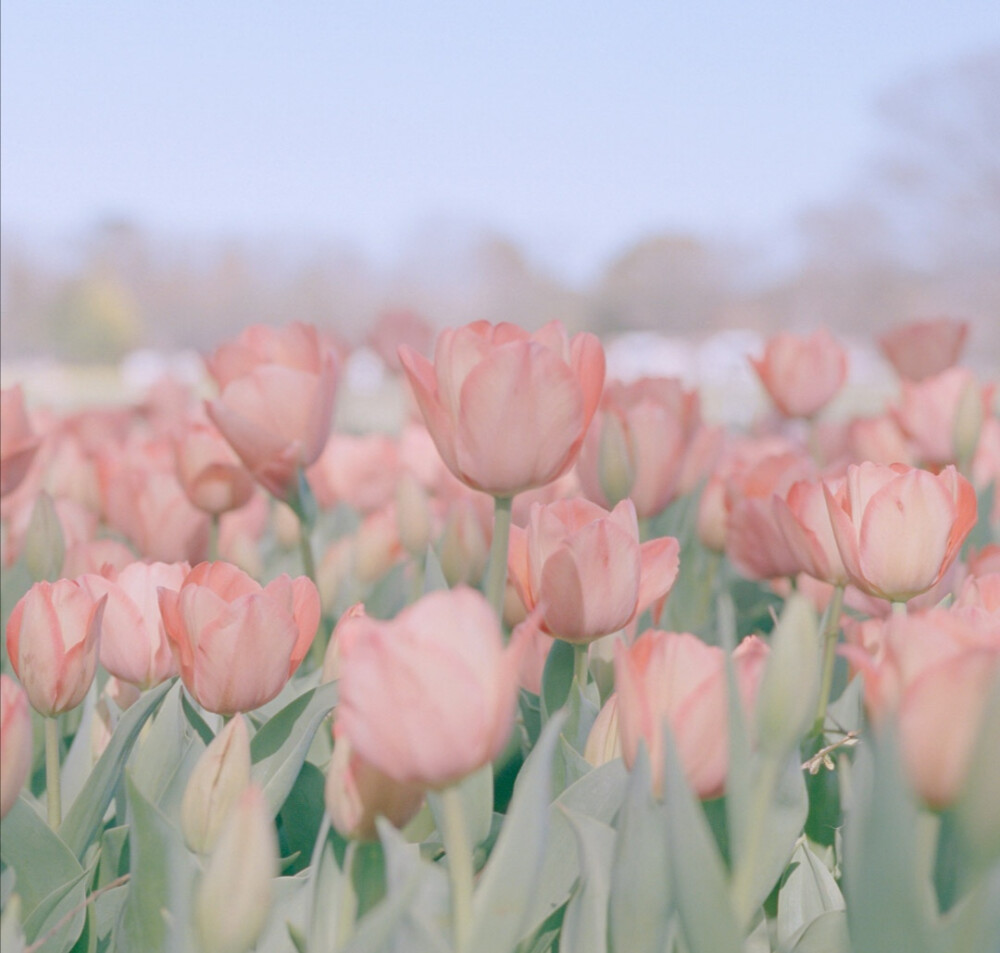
pixel 899 529
pixel 677 677
pixel 587 568
pixel 52 641
pixel 209 472
pixel 805 521
pixel 278 388
pixel 237 642
pixel 508 410
pixel 15 742
pixel 933 675
pixel 642 430
pixel 361 471
pixel 878 440
pixel 429 696
pixel 982 591
pixel 18 441
pixel 923 349
pixel 802 375
pixel 134 645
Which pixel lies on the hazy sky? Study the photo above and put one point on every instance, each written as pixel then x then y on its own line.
pixel 574 127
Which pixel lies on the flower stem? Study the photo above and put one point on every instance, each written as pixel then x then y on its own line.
pixel 581 663
pixel 460 872
pixel 348 909
pixel 53 793
pixel 496 574
pixel 831 630
pixel 213 538
pixel 899 608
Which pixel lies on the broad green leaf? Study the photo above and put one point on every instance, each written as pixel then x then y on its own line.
pixel 476 791
pixel 85 816
pixel 826 934
pixel 973 924
pixel 809 891
pixel 279 748
pixel 50 881
pixel 11 935
pixel 157 914
pixel 585 925
pixel 557 678
pixel 698 874
pixel 433 573
pixel 301 816
pixel 640 899
pixel 509 879
pixel 326 893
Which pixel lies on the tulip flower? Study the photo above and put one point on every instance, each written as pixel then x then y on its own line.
pixel 922 349
pixel 52 641
pixel 898 529
pixel 802 375
pixel 237 642
pixel 604 743
pixel 357 793
pixel 134 645
pixel 429 697
pixel 275 408
pixel 209 471
pixel 588 569
pixel 15 742
pixel 677 677
pixel 215 786
pixel 508 410
pixel 18 440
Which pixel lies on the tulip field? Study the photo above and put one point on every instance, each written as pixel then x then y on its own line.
pixel 552 662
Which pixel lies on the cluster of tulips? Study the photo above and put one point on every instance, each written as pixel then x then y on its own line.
pixel 555 665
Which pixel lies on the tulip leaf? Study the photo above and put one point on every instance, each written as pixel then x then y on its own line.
pixel 279 748
pixel 640 903
pixel 326 892
pixel 697 871
pixel 826 934
pixel 85 816
pixel 196 721
pixel 557 678
pixel 585 925
pixel 49 879
pixel 157 914
pixel 433 573
pixel 301 816
pixel 476 792
pixel 509 879
pixel 888 899
pixel 808 892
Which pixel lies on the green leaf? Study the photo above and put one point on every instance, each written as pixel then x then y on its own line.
pixel 196 721
pixel 809 891
pixel 326 893
pixel 641 892
pixel 301 816
pixel 826 934
pixel 557 678
pixel 698 874
pixel 50 881
pixel 510 876
pixel 279 748
pixel 585 925
pixel 476 792
pixel 433 573
pixel 85 816
pixel 157 914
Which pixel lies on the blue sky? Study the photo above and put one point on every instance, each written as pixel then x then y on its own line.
pixel 574 127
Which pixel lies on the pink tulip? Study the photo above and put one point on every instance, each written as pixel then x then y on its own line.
pixel 642 430
pixel 508 410
pixel 677 677
pixel 429 696
pixel 587 568
pixel 134 644
pixel 802 375
pixel 360 471
pixel 878 440
pixel 278 388
pixel 238 643
pixel 899 529
pixel 932 673
pixel 52 641
pixel 18 441
pixel 15 742
pixel 923 349
pixel 804 519
pixel 209 471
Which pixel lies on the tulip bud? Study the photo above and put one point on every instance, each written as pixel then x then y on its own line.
pixel 786 704
pixel 234 895
pixel 616 469
pixel 44 547
pixel 604 743
pixel 464 548
pixel 221 775
pixel 413 515
pixel 286 525
pixel 712 515
pixel 15 742
pixel 968 423
pixel 376 546
pixel 331 658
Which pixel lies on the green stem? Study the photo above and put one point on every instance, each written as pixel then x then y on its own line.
pixel 581 663
pixel 53 793
pixel 418 578
pixel 899 608
pixel 460 872
pixel 496 573
pixel 348 908
pixel 213 538
pixel 746 863
pixel 831 630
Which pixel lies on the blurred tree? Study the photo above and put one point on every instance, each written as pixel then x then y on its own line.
pixel 94 320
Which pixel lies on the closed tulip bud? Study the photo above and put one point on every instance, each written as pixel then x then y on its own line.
pixel 15 742
pixel 357 793
pixel 969 414
pixel 464 548
pixel 233 898
pixel 376 546
pixel 331 658
pixel 44 546
pixel 413 514
pixel 221 775
pixel 789 690
pixel 604 743
pixel 615 468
